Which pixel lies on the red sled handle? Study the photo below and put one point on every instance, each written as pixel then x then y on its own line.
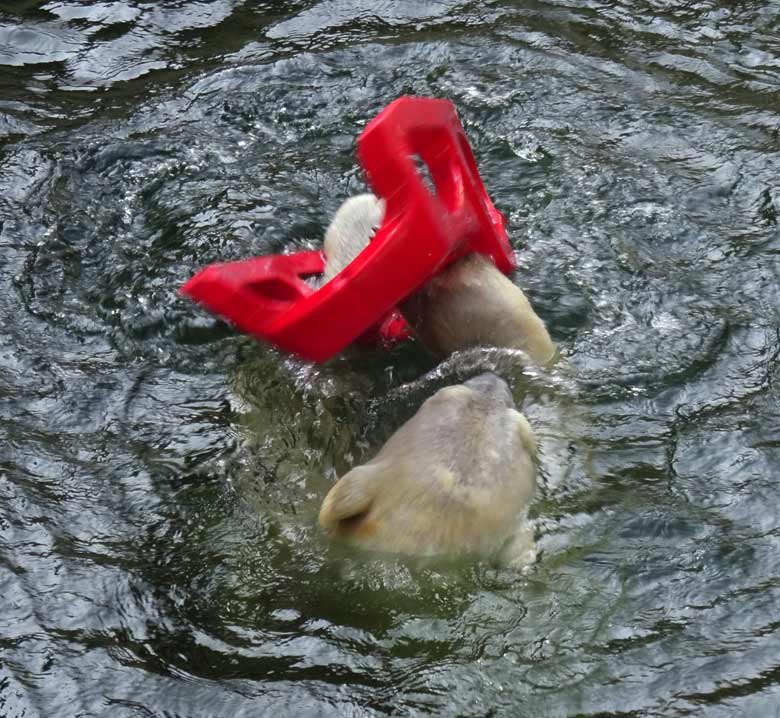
pixel 254 293
pixel 388 149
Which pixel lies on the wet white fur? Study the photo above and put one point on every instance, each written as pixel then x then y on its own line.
pixel 471 303
pixel 350 231
pixel 453 480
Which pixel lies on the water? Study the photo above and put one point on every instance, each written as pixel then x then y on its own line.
pixel 160 475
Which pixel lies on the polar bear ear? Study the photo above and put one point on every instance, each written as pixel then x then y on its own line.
pixel 527 436
pixel 351 496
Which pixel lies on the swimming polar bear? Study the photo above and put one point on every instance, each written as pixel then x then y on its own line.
pixel 471 303
pixel 453 480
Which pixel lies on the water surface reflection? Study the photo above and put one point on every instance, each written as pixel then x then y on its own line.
pixel 161 475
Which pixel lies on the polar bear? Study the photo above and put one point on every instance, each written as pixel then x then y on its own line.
pixel 471 303
pixel 453 480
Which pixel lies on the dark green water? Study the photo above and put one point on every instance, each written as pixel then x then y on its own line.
pixel 160 475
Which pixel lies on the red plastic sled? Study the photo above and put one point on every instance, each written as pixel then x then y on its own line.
pixel 420 235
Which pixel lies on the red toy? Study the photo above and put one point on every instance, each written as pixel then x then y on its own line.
pixel 420 235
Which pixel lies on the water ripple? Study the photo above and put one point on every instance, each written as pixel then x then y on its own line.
pixel 161 475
